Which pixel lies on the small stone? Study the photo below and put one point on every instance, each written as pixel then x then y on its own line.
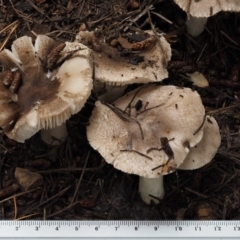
pixel 27 179
pixel 83 27
pixel 205 212
pixel 198 79
pixel 114 43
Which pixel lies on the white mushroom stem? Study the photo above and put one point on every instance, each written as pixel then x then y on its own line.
pixel 195 25
pixel 59 132
pixel 153 187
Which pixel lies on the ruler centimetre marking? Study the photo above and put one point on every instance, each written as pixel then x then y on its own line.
pixel 119 229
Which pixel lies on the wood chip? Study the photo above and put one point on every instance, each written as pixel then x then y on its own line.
pixel 27 179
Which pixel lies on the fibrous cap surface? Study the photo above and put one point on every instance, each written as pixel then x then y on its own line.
pixel 124 135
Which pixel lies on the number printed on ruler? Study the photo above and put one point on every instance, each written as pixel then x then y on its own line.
pixel 119 229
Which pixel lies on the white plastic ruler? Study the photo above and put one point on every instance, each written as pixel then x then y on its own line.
pixel 120 230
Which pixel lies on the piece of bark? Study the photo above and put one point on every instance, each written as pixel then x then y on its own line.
pixel 28 180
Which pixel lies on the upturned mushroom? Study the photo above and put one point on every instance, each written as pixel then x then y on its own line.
pixel 148 132
pixel 141 61
pixel 42 86
pixel 199 11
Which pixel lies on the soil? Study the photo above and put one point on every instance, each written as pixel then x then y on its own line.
pixel 78 183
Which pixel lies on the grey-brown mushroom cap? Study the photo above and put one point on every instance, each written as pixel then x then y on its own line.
pixel 167 112
pixel 113 69
pixel 205 150
pixel 207 8
pixel 45 99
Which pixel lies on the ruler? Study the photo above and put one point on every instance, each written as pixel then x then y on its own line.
pixel 86 230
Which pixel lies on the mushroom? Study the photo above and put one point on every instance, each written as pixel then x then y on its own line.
pixel 139 62
pixel 199 11
pixel 205 150
pixel 52 81
pixel 148 132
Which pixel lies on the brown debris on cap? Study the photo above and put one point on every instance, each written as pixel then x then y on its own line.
pixel 45 98
pixel 130 137
pixel 113 68
pixel 207 8
pixel 43 46
pixel 205 150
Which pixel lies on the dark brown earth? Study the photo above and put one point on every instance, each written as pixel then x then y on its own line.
pixel 78 184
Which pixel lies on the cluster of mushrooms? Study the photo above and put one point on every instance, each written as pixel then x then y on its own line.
pixel 150 131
